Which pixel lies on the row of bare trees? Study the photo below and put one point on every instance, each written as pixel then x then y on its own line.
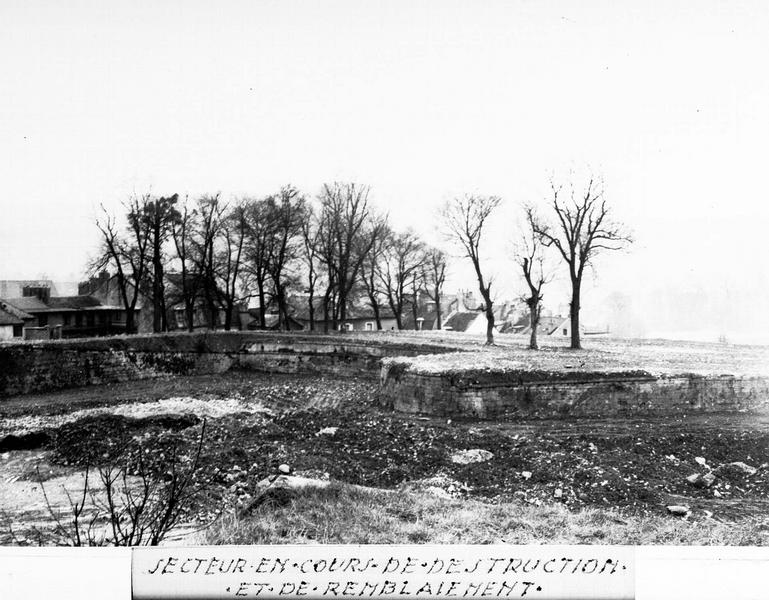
pixel 219 255
pixel 578 226
pixel 336 249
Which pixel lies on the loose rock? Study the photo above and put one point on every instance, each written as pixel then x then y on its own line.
pixel 678 511
pixel 465 457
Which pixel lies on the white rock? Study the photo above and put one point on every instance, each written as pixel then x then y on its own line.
pixel 679 511
pixel 700 461
pixel 284 468
pixel 558 493
pixel 328 431
pixel 526 474
pixel 465 457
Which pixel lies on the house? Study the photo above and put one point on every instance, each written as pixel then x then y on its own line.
pixel 249 320
pixel 53 317
pixel 468 321
pixel 360 317
pixel 104 288
pixel 553 326
pixel 11 326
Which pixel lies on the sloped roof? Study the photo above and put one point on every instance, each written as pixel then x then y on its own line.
pixel 30 304
pixel 15 311
pixel 73 302
pixel 460 321
pixel 7 318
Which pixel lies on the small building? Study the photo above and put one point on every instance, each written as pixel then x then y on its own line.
pixel 11 326
pixel 67 316
pixel 470 321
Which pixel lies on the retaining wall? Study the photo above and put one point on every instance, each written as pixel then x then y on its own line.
pixel 45 366
pixel 531 394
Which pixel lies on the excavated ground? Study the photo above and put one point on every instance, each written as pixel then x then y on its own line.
pixel 255 422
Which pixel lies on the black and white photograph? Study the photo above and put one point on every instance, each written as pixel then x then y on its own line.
pixel 442 274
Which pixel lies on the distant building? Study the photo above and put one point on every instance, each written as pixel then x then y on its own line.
pixel 51 317
pixel 553 326
pixel 11 326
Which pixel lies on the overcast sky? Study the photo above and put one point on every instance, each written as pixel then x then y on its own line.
pixel 669 102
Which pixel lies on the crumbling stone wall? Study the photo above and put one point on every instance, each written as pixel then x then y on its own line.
pixel 500 396
pixel 44 366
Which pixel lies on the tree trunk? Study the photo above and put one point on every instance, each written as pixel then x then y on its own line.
pixel 574 314
pixel 534 320
pixel 489 324
pixel 311 310
pixel 189 309
pixel 262 316
pixel 129 320
pixel 438 314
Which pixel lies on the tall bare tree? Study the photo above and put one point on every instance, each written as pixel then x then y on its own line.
pixel 583 228
pixel 402 262
pixel 183 231
pixel 288 211
pixel 531 260
pixel 159 215
pixel 311 259
pixel 127 253
pixel 229 260
pixel 465 218
pixel 371 270
pixel 261 228
pixel 345 213
pixel 434 276
pixel 211 212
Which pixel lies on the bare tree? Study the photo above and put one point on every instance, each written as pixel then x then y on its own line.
pixel 183 229
pixel 127 253
pixel 371 270
pixel 434 276
pixel 159 215
pixel 261 227
pixel 210 212
pixel 402 262
pixel 287 212
pixel 345 213
pixel 465 219
pixel 310 258
pixel 531 260
pixel 583 229
pixel 229 260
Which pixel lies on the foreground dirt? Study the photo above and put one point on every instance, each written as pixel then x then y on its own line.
pixel 256 422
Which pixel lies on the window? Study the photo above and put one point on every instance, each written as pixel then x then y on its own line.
pixel 565 332
pixel 78 320
pixel 369 326
pixel 42 320
pixel 348 326
pixel 67 319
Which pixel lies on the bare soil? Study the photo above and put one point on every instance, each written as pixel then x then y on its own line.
pixel 255 422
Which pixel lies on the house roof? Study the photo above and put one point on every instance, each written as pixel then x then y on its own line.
pixel 15 311
pixel 7 318
pixel 302 313
pixel 29 304
pixel 32 304
pixel 73 302
pixel 546 324
pixel 460 321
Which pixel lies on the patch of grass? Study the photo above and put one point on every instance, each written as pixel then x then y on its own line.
pixel 342 514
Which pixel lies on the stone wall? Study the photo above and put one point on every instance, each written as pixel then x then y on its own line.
pixel 44 366
pixel 581 394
